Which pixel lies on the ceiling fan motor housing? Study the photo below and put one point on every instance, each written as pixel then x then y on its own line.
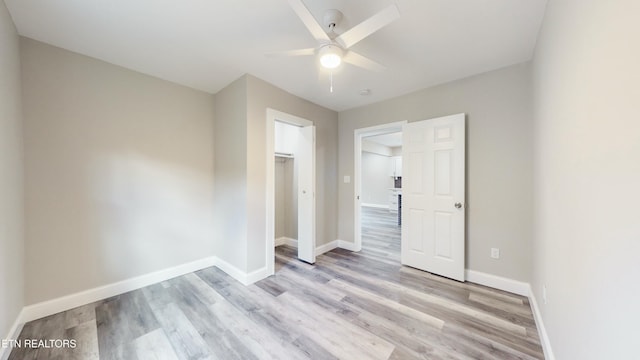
pixel 330 56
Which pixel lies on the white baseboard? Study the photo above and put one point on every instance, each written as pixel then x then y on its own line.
pixel 13 334
pixel 348 245
pixel 319 249
pixel 377 206
pixel 257 275
pixel 245 278
pixel 286 241
pixel 326 247
pixel 54 306
pixel 542 331
pixel 497 282
pixel 232 271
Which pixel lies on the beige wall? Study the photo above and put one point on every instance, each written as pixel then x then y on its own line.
pixel 499 153
pixel 587 171
pixel 119 172
pixel 230 206
pixel 11 177
pixel 262 95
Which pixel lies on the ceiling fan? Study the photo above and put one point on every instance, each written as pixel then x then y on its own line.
pixel 333 49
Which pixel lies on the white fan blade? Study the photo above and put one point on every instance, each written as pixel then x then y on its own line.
pixel 368 27
pixel 309 21
pixel 356 59
pixel 298 52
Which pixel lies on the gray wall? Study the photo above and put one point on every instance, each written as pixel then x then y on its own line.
pixel 241 110
pixel 376 169
pixel 373 147
pixel 499 154
pixel 230 205
pixel 286 181
pixel 587 171
pixel 286 200
pixel 11 176
pixel 119 172
pixel 262 95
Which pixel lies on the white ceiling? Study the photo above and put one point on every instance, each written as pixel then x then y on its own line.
pixel 206 44
pixel 390 140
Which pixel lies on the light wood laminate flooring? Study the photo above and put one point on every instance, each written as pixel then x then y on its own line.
pixel 348 306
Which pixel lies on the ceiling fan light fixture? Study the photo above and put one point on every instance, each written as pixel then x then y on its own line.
pixel 330 56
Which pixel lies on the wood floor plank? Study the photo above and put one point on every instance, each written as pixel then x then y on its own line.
pixel 451 305
pixel 490 349
pixel 260 316
pixel 364 294
pixel 86 336
pixel 405 337
pixel 498 303
pixel 222 343
pixel 368 346
pixel 154 346
pixel 312 349
pixel 80 315
pixel 121 320
pixel 273 316
pixel 182 335
pixel 263 343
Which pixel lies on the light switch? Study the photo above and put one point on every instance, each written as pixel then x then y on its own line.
pixel 347 179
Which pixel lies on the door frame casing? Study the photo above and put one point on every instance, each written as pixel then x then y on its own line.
pixel 271 118
pixel 358 135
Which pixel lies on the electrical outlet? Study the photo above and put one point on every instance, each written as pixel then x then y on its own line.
pixel 544 294
pixel 495 253
pixel 347 179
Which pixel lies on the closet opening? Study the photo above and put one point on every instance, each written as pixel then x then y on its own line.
pixel 290 185
pixel 286 185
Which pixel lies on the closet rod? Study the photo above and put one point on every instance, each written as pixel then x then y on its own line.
pixel 284 155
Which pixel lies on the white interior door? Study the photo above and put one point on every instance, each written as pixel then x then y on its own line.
pixel 306 159
pixel 433 196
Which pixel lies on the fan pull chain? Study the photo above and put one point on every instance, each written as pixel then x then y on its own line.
pixel 331 85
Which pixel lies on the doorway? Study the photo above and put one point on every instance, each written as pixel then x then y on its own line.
pixel 381 217
pixel 291 150
pixel 432 204
pixel 360 143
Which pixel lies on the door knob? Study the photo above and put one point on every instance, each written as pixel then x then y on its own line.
pixel 458 205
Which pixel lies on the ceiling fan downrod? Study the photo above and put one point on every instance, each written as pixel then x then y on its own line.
pixel 331 18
